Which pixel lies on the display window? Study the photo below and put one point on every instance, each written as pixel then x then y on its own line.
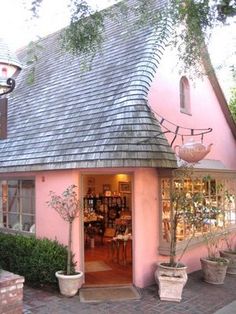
pixel 204 203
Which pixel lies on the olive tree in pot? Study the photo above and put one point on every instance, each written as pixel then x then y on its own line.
pixel 230 252
pixel 67 205
pixel 214 266
pixel 171 276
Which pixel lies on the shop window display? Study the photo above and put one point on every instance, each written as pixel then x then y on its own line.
pixel 218 194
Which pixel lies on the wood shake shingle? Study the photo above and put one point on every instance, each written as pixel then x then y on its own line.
pixel 75 118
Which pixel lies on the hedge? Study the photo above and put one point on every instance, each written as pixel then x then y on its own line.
pixel 35 259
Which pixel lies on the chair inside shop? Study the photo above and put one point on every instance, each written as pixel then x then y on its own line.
pixel 108 235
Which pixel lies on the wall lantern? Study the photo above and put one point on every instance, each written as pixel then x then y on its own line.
pixel 9 70
pixel 192 151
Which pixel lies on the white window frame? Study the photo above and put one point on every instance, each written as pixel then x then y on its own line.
pixel 20 211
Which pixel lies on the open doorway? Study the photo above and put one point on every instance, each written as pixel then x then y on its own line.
pixel 107 215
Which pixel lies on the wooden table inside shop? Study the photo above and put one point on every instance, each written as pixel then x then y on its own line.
pixel 119 248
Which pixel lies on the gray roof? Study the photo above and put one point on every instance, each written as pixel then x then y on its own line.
pixel 70 118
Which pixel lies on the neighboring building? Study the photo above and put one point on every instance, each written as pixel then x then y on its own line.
pixel 97 129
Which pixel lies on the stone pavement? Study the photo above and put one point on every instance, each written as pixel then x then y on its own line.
pixel 198 298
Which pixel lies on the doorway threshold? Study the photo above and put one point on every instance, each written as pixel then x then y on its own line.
pixel 101 285
pixel 109 293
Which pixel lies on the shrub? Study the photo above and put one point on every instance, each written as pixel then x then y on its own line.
pixel 35 259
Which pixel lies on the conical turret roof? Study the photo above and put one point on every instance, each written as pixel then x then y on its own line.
pixel 7 56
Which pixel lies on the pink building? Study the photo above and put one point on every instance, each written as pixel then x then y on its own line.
pixel 103 130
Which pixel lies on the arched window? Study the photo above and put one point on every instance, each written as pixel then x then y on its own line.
pixel 184 95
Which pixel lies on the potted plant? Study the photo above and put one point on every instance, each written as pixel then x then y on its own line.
pixel 230 240
pixel 68 207
pixel 214 266
pixel 230 252
pixel 171 276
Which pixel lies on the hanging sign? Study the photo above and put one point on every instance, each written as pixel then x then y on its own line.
pixel 192 151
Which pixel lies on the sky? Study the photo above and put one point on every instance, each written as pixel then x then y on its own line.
pixel 17 28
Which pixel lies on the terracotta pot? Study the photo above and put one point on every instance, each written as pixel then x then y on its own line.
pixel 231 256
pixel 171 281
pixel 69 284
pixel 214 272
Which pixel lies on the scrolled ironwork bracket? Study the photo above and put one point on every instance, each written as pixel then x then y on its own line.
pixel 11 84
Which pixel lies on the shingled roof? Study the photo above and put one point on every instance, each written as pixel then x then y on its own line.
pixel 71 118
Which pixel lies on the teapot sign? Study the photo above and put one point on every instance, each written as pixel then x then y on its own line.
pixel 192 151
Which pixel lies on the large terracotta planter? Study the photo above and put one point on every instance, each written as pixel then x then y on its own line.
pixel 231 256
pixel 214 272
pixel 69 284
pixel 171 281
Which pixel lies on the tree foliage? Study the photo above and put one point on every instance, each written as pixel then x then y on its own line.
pixel 68 207
pixel 232 101
pixel 191 22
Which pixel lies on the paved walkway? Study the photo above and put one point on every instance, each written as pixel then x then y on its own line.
pixel 198 298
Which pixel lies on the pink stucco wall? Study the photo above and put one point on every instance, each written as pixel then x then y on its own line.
pixel 205 110
pixel 145 225
pixel 144 216
pixel 48 222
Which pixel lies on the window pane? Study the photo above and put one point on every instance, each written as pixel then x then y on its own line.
pixel 14 221
pixel 27 222
pixel 27 196
pixel 13 196
pixel 17 204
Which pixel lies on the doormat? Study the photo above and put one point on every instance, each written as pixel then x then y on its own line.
pixel 103 294
pixel 95 266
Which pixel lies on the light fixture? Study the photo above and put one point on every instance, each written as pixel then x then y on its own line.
pixel 9 70
pixel 7 86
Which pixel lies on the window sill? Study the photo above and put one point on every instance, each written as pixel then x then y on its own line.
pixel 11 231
pixel 185 111
pixel 164 248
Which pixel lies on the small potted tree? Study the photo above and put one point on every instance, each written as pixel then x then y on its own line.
pixel 230 252
pixel 171 276
pixel 230 240
pixel 214 266
pixel 68 207
pixel 194 210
